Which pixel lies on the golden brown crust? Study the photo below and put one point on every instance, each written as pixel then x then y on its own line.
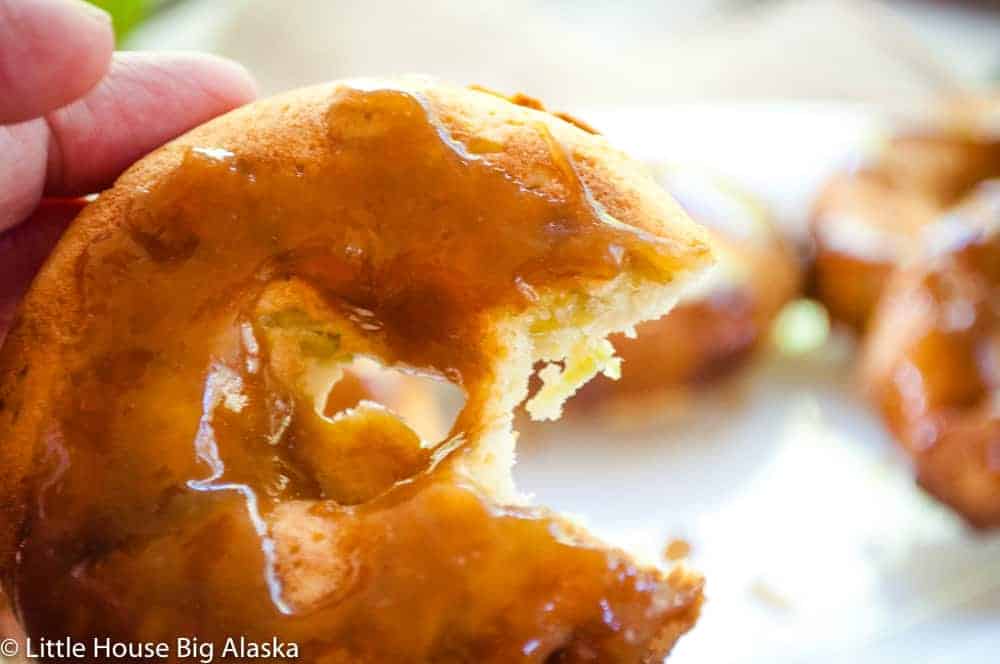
pixel 153 358
pixel 293 124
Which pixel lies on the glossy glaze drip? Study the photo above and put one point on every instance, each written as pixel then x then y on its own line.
pixel 189 460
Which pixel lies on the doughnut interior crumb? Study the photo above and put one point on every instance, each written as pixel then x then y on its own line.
pixel 574 356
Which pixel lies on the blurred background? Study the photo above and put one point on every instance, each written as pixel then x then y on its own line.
pixel 598 52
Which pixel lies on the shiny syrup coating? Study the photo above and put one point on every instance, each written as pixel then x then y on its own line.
pixel 188 486
pixel 932 360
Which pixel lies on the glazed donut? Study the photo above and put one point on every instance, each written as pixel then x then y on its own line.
pixel 172 467
pixel 864 221
pixel 721 320
pixel 931 360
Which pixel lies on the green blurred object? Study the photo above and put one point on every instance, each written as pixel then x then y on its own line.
pixel 125 15
pixel 801 327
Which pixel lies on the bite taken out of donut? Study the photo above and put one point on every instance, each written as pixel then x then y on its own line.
pixel 175 462
pixel 718 323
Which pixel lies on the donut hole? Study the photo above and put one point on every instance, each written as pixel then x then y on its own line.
pixel 427 404
pixel 379 427
pixel 354 423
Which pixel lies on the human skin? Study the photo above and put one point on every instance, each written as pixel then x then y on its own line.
pixel 74 114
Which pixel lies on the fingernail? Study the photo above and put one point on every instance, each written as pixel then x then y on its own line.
pixel 92 11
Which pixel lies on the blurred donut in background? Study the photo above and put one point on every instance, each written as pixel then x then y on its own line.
pixel 865 219
pixel 720 321
pixel 931 361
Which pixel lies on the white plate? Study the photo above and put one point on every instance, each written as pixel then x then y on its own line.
pixel 815 542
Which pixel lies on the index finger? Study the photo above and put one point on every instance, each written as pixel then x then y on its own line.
pixel 51 52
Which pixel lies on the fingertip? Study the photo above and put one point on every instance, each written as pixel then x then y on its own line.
pixel 51 52
pixel 227 83
pixel 145 100
pixel 93 11
pixel 230 81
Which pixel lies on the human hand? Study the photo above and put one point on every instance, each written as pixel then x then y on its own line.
pixel 74 115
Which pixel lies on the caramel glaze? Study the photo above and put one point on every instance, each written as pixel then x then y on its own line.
pixel 932 361
pixel 916 178
pixel 157 493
